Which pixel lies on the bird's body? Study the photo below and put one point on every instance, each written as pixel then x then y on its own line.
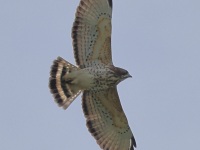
pixel 95 76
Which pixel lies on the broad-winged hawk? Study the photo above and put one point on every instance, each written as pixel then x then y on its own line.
pixel 95 76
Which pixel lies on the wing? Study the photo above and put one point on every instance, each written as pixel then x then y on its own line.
pixel 106 120
pixel 91 33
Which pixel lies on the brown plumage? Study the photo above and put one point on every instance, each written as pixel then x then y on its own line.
pixel 95 76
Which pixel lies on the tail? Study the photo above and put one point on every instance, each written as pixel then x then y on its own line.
pixel 63 93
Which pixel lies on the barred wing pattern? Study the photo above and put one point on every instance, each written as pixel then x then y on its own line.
pixel 106 120
pixel 91 33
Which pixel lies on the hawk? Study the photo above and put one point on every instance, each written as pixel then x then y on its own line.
pixel 95 76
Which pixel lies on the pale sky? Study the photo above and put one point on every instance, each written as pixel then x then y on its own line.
pixel 157 41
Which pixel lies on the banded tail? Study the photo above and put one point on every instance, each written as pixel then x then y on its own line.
pixel 62 90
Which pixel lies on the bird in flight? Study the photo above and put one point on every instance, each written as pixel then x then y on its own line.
pixel 95 76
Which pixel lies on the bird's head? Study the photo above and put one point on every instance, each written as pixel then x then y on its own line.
pixel 120 74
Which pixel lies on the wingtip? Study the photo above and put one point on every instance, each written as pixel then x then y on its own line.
pixel 110 3
pixel 133 143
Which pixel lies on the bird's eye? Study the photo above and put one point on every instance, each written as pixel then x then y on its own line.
pixel 124 72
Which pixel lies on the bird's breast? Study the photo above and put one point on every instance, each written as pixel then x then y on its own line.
pixel 95 78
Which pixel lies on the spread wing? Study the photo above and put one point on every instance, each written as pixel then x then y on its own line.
pixel 91 33
pixel 106 120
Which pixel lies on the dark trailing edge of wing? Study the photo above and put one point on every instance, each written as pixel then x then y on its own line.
pixel 85 109
pixel 86 113
pixel 74 37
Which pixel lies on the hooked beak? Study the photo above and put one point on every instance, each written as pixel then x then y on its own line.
pixel 128 76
